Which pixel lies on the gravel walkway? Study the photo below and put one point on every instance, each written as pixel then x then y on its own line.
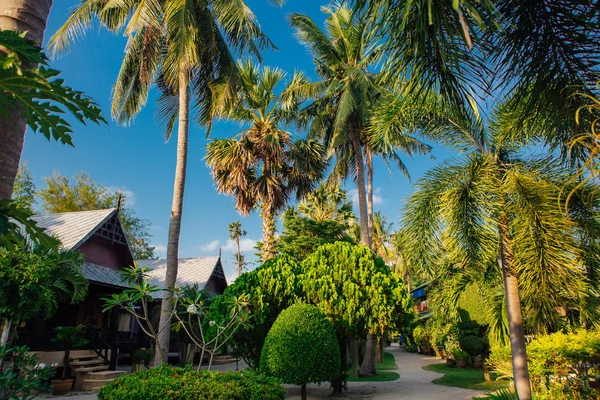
pixel 414 384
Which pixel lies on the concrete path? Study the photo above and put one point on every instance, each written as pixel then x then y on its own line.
pixel 414 384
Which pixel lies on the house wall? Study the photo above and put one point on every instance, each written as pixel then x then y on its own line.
pixel 101 251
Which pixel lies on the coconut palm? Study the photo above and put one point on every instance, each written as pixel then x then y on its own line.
pixel 492 208
pixel 328 202
pixel 263 166
pixel 236 233
pixel 382 234
pixel 185 48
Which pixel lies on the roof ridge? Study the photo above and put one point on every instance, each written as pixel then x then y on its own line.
pixel 75 212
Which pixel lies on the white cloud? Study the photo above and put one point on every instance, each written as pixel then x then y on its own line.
pixel 246 244
pixel 210 246
pixel 377 198
pixel 231 277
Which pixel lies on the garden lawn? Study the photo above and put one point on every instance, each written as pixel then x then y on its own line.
pixel 467 378
pixel 384 373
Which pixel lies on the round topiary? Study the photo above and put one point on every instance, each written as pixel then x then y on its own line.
pixel 472 345
pixel 301 347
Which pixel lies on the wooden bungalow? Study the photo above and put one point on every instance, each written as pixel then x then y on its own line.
pixel 99 235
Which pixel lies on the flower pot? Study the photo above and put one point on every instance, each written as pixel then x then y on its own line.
pixel 461 363
pixel 449 362
pixel 60 386
pixel 477 364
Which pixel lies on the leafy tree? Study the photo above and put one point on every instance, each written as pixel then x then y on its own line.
pixel 356 290
pixel 272 287
pixel 264 166
pixel 492 209
pixel 184 48
pixel 301 348
pixel 57 279
pixel 81 193
pixel 301 235
pixel 30 95
pixel 236 233
pixel 24 188
pixel 328 202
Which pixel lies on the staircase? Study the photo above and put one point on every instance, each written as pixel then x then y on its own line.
pixel 219 359
pixel 91 371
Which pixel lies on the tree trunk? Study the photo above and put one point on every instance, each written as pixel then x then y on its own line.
pixel 268 225
pixel 380 349
pixel 6 327
pixel 354 358
pixel 21 15
pixel 239 256
pixel 513 308
pixel 303 392
pixel 369 156
pixel 337 383
pixel 365 238
pixel 367 367
pixel 164 326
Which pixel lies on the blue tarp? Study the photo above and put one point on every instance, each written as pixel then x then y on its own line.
pixel 419 293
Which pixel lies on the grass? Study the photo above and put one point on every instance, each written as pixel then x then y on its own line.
pixel 384 373
pixel 467 378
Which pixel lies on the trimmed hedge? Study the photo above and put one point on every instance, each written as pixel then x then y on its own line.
pixel 301 347
pixel 166 383
pixel 472 345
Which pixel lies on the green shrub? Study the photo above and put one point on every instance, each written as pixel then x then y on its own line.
pixel 412 348
pixel 301 347
pixel 472 345
pixel 422 338
pixel 561 365
pixel 166 383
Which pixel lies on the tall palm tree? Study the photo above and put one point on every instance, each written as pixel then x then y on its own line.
pixel 382 234
pixel 236 233
pixel 184 47
pixel 328 202
pixel 263 166
pixel 491 207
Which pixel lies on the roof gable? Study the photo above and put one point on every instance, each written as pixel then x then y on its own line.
pixel 73 228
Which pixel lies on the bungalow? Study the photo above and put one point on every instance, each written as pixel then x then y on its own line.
pixel 99 235
pixel 419 295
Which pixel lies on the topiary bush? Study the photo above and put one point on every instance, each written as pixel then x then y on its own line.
pixel 472 345
pixel 301 348
pixel 166 383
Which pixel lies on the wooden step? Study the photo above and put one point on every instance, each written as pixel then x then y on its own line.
pixel 82 354
pixel 92 369
pixel 96 361
pixel 95 380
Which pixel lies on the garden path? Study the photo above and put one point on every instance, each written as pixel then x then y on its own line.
pixel 414 383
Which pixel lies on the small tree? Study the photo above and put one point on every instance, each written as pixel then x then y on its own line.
pixel 301 348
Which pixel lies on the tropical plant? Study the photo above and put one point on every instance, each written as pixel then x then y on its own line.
pixel 301 348
pixel 236 233
pixel 32 96
pixel 328 202
pixel 58 279
pixel 264 166
pixel 68 337
pixel 184 48
pixel 24 188
pixel 21 376
pixel 491 207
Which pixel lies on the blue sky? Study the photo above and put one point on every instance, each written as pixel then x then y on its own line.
pixel 137 158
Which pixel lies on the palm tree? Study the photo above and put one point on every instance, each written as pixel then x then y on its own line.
pixel 328 202
pixel 184 48
pixel 263 166
pixel 382 234
pixel 491 207
pixel 236 233
pixel 30 17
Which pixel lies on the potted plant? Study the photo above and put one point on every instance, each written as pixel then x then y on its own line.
pixel 477 362
pixel 461 358
pixel 67 336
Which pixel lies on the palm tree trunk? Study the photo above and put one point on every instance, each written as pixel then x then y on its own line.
pixel 239 256
pixel 369 155
pixel 30 16
pixel 268 225
pixel 515 316
pixel 164 326
pixel 368 365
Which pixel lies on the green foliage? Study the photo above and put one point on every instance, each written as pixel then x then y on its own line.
pixel 39 93
pixel 272 287
pixel 301 347
pixel 37 278
pixel 21 377
pixel 82 193
pixel 354 288
pixel 15 222
pixel 68 337
pixel 560 364
pixel 474 306
pixel 167 383
pixel 142 356
pixel 412 348
pixel 24 188
pixel 301 236
pixel 422 337
pixel 473 345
